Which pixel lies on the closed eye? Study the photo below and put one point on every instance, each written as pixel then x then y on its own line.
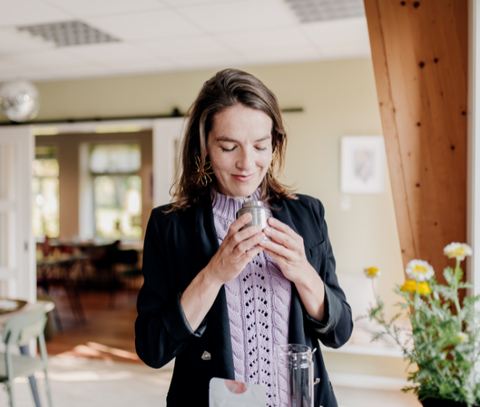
pixel 225 150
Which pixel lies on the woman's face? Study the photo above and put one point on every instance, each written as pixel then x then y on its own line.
pixel 240 149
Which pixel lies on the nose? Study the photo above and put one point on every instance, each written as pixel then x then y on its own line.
pixel 245 160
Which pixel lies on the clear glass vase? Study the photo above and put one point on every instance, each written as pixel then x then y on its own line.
pixel 294 376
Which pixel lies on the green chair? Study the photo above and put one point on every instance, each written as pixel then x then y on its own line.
pixel 19 331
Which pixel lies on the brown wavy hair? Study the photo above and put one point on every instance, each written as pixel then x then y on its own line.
pixel 226 89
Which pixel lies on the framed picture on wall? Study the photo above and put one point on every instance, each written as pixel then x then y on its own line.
pixel 363 165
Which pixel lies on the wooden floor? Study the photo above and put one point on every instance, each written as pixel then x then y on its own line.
pixel 107 333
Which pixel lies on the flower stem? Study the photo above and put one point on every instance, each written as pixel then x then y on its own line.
pixel 455 288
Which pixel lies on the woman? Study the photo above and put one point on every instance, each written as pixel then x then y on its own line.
pixel 218 297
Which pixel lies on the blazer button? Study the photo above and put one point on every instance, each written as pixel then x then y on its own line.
pixel 206 356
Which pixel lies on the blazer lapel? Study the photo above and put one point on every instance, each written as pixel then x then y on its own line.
pixel 218 324
pixel 296 331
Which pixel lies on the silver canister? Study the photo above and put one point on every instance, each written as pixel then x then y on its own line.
pixel 259 213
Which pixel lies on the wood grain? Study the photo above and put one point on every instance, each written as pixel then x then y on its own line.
pixel 419 51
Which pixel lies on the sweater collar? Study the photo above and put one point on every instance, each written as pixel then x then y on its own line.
pixel 226 207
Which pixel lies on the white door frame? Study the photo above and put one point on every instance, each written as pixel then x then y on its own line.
pixel 17 266
pixel 473 146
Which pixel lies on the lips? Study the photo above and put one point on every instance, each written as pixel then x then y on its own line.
pixel 243 178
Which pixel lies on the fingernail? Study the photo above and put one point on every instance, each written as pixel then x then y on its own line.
pixel 271 220
pixel 267 230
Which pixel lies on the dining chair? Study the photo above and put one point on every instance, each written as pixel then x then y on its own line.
pixel 131 272
pixel 19 331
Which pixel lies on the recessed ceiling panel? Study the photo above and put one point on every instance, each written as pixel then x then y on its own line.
pixel 68 33
pixel 324 10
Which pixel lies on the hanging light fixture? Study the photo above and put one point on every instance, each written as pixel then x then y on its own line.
pixel 19 100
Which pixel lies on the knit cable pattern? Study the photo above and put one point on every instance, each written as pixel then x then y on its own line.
pixel 258 307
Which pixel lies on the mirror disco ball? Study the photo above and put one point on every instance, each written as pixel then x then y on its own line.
pixel 19 100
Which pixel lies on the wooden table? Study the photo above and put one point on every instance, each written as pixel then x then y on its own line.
pixel 46 305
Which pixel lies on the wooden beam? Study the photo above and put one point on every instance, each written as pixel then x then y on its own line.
pixel 419 51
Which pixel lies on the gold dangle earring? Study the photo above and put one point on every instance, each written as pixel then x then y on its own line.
pixel 205 172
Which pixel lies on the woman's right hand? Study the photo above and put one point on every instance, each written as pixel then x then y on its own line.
pixel 233 255
pixel 231 258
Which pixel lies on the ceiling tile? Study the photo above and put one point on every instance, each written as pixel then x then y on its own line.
pixel 239 16
pixel 208 62
pixel 345 49
pixel 72 73
pixel 282 54
pixel 180 3
pixel 261 39
pixel 24 12
pixel 338 30
pixel 202 44
pixel 6 65
pixel 144 69
pixel 340 38
pixel 14 41
pixel 105 53
pixel 46 59
pixel 138 65
pixel 29 74
pixel 155 24
pixel 85 8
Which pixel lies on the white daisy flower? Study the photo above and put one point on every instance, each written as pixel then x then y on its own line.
pixel 457 250
pixel 462 337
pixel 372 272
pixel 419 270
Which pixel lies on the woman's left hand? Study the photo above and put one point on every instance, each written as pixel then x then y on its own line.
pixel 287 249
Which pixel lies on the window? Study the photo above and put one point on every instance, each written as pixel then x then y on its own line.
pixel 117 190
pixel 45 193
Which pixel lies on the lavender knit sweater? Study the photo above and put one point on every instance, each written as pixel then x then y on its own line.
pixel 258 307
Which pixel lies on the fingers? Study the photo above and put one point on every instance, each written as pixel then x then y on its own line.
pixel 282 227
pixel 239 223
pixel 275 248
pixel 279 237
pixel 250 254
pixel 278 259
pixel 248 243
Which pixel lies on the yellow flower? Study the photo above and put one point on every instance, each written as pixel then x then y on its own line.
pixel 424 288
pixel 372 272
pixel 409 285
pixel 419 270
pixel 457 250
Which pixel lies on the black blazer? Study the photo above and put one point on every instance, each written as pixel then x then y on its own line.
pixel 177 246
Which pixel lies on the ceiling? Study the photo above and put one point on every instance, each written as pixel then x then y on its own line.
pixel 173 35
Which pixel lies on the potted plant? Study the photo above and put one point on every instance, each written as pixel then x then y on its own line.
pixel 444 342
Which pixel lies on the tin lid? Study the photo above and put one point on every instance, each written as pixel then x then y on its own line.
pixel 252 204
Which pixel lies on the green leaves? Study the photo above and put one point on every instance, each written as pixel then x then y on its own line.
pixel 444 342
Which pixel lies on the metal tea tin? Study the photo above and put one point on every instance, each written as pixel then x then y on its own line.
pixel 259 213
